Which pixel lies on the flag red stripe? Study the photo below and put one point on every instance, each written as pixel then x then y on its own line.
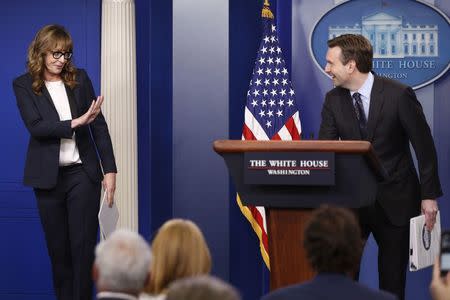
pixel 276 137
pixel 293 130
pixel 259 219
pixel 247 133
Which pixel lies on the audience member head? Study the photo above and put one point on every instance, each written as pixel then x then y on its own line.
pixel 122 263
pixel 202 288
pixel 440 285
pixel 333 240
pixel 179 250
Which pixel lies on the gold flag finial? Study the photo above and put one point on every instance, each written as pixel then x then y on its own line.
pixel 266 12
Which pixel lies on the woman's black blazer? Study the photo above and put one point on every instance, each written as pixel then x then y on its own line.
pixel 46 130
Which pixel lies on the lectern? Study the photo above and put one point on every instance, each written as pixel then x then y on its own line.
pixel 290 179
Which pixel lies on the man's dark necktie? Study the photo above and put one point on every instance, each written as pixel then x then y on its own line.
pixel 360 115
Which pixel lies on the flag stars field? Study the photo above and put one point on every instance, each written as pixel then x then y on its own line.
pixel 271 79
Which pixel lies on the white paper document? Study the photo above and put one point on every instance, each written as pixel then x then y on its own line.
pixel 107 217
pixel 423 244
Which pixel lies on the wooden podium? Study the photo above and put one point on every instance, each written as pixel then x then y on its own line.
pixel 288 207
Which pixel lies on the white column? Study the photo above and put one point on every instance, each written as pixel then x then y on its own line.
pixel 118 85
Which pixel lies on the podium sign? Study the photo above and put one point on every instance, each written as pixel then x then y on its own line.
pixel 289 168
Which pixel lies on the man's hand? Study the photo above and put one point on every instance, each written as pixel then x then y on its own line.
pixel 429 209
pixel 109 184
pixel 90 115
pixel 440 286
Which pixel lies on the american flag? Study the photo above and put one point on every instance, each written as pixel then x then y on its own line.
pixel 271 112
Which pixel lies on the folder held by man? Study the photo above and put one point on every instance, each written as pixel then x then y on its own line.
pixel 423 244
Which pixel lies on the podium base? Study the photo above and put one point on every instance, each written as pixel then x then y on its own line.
pixel 288 262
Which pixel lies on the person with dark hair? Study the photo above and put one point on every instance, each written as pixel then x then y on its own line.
pixel 204 287
pixel 364 106
pixel 59 108
pixel 333 245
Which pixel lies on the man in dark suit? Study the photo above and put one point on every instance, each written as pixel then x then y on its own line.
pixel 67 129
pixel 333 245
pixel 364 106
pixel 122 266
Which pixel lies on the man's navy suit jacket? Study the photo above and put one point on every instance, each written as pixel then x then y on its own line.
pixel 46 130
pixel 326 286
pixel 395 119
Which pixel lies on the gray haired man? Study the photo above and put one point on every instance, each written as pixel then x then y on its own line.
pixel 122 265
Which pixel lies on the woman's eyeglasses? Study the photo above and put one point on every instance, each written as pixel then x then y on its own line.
pixel 59 54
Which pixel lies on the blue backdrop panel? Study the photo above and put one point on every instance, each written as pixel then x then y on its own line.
pixel 23 255
pixel 283 14
pixel 143 41
pixel 161 20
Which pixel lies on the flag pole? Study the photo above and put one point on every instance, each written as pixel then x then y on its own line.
pixel 266 12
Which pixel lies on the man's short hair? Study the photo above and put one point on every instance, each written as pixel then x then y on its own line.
pixel 354 47
pixel 122 262
pixel 203 287
pixel 333 240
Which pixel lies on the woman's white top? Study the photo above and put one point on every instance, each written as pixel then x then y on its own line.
pixel 68 152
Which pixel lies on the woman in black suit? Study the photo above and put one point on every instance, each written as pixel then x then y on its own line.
pixel 68 148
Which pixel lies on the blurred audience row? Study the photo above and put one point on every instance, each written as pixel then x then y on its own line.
pixel 126 268
pixel 178 265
